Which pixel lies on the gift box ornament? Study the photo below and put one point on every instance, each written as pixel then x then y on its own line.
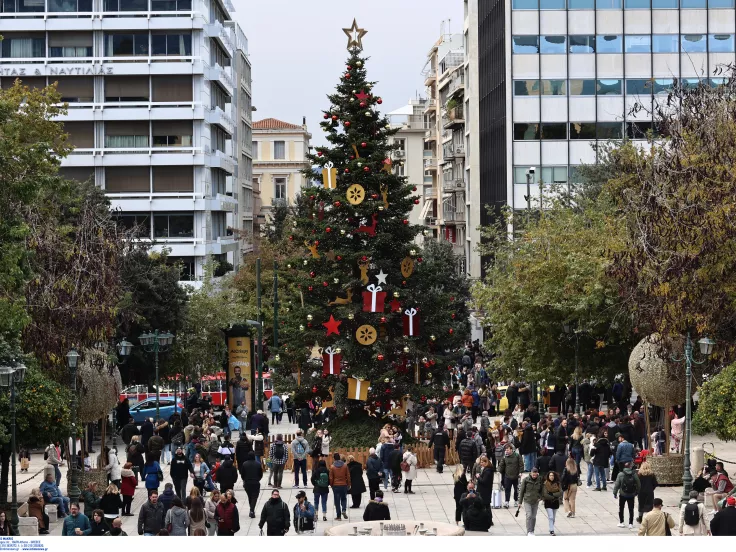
pixel 410 319
pixel 329 176
pixel 358 389
pixel 373 299
pixel 331 360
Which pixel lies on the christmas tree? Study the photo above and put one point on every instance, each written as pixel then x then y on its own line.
pixel 375 317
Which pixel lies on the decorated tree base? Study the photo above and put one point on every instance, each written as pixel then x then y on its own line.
pixel 668 469
pixel 83 477
pixel 358 430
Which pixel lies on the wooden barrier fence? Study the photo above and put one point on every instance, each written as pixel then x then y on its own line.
pixel 424 454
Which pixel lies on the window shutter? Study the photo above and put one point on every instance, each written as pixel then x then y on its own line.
pixel 127 179
pixel 172 88
pixel 173 179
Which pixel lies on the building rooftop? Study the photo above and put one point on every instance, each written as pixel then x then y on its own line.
pixel 275 124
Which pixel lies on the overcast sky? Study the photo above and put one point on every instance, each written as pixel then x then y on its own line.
pixel 298 50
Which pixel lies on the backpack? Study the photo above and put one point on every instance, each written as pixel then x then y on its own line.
pixel 323 480
pixel 628 487
pixel 692 514
pixel 178 439
pixel 299 448
pixel 278 451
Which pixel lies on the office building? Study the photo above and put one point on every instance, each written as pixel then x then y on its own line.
pixel 153 88
pixel 279 157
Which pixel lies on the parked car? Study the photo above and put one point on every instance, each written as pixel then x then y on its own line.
pixel 147 409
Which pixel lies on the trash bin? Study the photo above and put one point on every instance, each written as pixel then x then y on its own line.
pixel 697 460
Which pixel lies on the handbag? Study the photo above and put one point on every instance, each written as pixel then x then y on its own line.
pixel 667 531
pixel 405 466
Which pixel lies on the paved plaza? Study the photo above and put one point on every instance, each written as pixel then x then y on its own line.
pixel 597 512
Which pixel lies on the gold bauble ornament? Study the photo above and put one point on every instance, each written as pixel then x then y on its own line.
pixel 406 349
pixel 301 327
pixel 433 338
pixel 413 252
pixel 351 316
pixel 310 317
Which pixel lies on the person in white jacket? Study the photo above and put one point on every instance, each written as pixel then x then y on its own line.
pixel 701 528
pixel 411 459
pixel 114 470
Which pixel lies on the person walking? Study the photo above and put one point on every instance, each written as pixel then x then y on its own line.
pixel 275 515
pixel 251 473
pixel 510 467
pixel 181 469
pixel 692 518
pixel 655 523
pixel 227 475
pixel 210 506
pixel 227 517
pixel 110 504
pixel 177 519
pixel 588 459
pixel 151 516
pixel 275 404
pixel 441 441
pixel 484 484
pixel 197 518
pixel 200 471
pixel 135 456
pixel 410 474
pixel 76 524
pixel 528 447
pixel 601 453
pixel 461 485
pixel 723 523
pixel 569 483
pixel 321 481
pixel 395 460
pixel 374 469
pixel 530 495
pixel 278 453
pixel 376 510
pixel 128 484
pixel 53 458
pixel 648 482
pixel 628 484
pixel 385 454
pixel 90 499
pixel 357 486
pixel 152 474
pixel 340 483
pixel 468 452
pixel 304 514
pixel 577 447
pixel 300 449
pixel 551 494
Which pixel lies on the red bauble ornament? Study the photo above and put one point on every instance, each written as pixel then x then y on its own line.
pixel 312 274
pixel 325 284
pixel 327 115
pixel 311 198
pixel 366 169
pixel 406 221
pixel 414 189
pixel 379 101
pixel 452 298
pixel 349 67
pixel 310 289
pixel 364 258
pixel 347 76
pixel 334 117
pixel 314 389
pixel 419 259
pixel 319 154
pixel 374 196
pixel 403 283
pixel 352 157
pixel 383 320
pixel 380 357
pixel 432 362
pixel 337 204
pixel 363 104
pixel 364 144
pixel 416 202
pixel 347 123
pixel 339 258
pixel 451 331
pixel 347 171
pixel 452 316
pixel 291 238
pixel 316 242
pixel 328 229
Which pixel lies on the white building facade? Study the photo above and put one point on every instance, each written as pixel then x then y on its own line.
pixel 152 89
pixel 556 77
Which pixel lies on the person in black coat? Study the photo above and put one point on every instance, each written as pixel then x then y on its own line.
pixel 601 452
pixel 723 523
pixel 376 510
pixel 544 463
pixel 146 431
pixel 478 517
pixel 129 430
pixel 461 485
pixel 242 448
pixel 227 475
pixel 557 463
pixel 441 441
pixel 484 485
pixel 394 462
pixel 305 419
pixel 357 485
pixel 648 482
pixel 122 414
pixel 251 473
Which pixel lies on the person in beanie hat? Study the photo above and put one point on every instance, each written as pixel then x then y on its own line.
pixel 303 514
pixel 723 523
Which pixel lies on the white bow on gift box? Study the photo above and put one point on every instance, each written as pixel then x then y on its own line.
pixel 374 289
pixel 331 364
pixel 411 313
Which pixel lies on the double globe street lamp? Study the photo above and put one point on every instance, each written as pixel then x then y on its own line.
pixel 156 343
pixel 10 378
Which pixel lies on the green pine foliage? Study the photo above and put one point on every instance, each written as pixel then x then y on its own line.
pixel 326 219
pixel 717 406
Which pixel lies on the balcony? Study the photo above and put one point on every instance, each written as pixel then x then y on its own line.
pixel 219 160
pixel 453 185
pixel 429 77
pixel 215 73
pixel 217 32
pixel 429 134
pixel 455 117
pixel 218 117
pixel 430 105
pixel 454 217
pixel 457 85
pixel 430 163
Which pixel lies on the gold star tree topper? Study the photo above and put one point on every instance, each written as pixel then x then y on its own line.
pixel 355 36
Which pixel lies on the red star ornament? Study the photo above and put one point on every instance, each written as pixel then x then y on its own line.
pixel 395 305
pixel 362 96
pixel 332 325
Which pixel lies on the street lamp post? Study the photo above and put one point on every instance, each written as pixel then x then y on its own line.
pixel 9 378
pixel 259 384
pixel 156 343
pixel 575 332
pixel 706 348
pixel 72 358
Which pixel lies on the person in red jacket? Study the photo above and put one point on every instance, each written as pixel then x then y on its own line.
pixel 227 517
pixel 128 484
pixel 722 486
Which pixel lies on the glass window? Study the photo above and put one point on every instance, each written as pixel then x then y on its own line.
pixel 279 149
pixel 608 4
pixel 582 131
pixel 638 86
pixel 520 176
pixel 554 131
pixel 665 44
pixel 664 4
pixel 638 44
pixel 554 87
pixel 554 175
pixel 692 83
pixel 582 44
pixel 14 46
pixel 552 4
pixel 662 86
pixel 526 4
pixel 279 188
pixel 609 87
pixel 609 44
pixel 581 4
pixel 171 5
pixel 575 176
pixel 700 4
pixel 636 4
pixel 171 44
pixel 526 131
pixel 638 130
pixel 582 87
pixel 693 43
pixel 553 44
pixel 609 131
pixel 64 5
pixel 126 5
pixel 720 3
pixel 526 87
pixel 22 6
pixel 525 44
pixel 715 83
pixel 173 226
pixel 720 43
pixel 126 44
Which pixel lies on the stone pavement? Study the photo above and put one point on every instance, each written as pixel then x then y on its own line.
pixel 597 512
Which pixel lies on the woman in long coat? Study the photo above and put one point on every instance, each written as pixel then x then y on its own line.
pixel 357 485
